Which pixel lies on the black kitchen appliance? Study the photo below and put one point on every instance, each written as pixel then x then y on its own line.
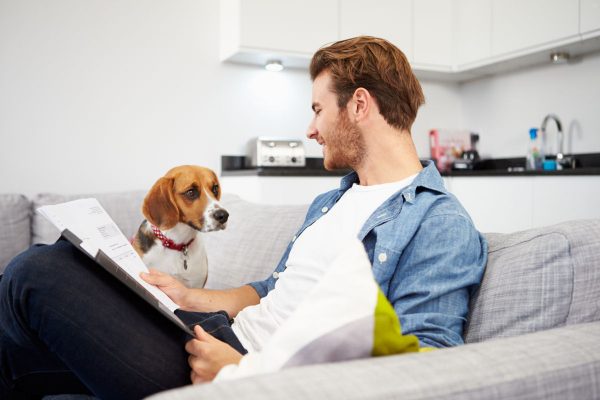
pixel 469 157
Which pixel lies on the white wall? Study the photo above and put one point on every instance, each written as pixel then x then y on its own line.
pixel 101 95
pixel 504 107
pixel 106 95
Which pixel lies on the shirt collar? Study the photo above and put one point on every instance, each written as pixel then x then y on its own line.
pixel 428 178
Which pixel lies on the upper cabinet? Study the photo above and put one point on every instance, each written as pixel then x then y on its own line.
pixel 255 30
pixel 433 34
pixel 391 19
pixel 519 25
pixel 589 20
pixel 443 39
pixel 473 36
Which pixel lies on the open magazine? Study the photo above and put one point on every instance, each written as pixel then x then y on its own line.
pixel 88 226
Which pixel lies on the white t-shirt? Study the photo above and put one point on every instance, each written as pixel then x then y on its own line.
pixel 312 252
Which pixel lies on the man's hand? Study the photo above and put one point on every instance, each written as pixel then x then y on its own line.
pixel 208 355
pixel 176 290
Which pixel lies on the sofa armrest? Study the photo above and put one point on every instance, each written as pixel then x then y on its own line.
pixel 555 364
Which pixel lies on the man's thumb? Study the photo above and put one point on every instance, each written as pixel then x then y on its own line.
pixel 201 334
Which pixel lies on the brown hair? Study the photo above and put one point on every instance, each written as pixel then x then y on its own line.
pixel 378 66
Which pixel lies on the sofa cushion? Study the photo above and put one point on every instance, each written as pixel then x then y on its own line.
pixel 253 229
pixel 527 285
pixel 557 364
pixel 125 209
pixel 584 240
pixel 15 235
pixel 254 241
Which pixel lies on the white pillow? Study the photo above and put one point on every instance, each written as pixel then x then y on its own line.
pixel 346 316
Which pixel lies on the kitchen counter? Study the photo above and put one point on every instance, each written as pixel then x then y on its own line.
pixel 506 172
pixel 498 200
pixel 587 164
pixel 235 166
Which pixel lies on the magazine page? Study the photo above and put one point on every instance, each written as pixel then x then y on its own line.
pixel 88 220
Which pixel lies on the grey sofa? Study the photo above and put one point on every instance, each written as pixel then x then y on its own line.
pixel 533 331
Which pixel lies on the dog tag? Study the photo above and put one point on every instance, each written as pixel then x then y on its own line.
pixel 185 254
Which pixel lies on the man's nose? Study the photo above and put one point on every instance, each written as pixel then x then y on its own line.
pixel 311 132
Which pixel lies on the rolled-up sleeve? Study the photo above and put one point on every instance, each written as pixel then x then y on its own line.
pixel 262 287
pixel 265 286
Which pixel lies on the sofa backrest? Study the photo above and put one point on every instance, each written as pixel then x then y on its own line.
pixel 254 241
pixel 125 208
pixel 15 220
pixel 22 226
pixel 538 279
pixel 253 229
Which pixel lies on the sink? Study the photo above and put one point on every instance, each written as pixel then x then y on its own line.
pixel 588 160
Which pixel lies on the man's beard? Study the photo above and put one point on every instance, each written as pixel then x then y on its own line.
pixel 345 146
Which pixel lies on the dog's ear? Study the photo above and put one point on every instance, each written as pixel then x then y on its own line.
pixel 159 206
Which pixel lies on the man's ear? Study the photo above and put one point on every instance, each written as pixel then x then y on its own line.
pixel 361 103
pixel 159 206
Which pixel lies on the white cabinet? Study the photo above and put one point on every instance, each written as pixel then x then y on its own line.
pixel 433 34
pixel 518 25
pixel 443 39
pixel 563 198
pixel 473 31
pixel 513 203
pixel 255 30
pixel 589 17
pixel 279 189
pixel 495 204
pixel 390 19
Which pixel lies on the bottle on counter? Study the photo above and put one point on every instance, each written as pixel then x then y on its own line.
pixel 533 160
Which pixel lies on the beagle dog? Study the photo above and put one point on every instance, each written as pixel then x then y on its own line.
pixel 181 204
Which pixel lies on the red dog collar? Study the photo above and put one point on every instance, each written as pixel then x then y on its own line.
pixel 168 243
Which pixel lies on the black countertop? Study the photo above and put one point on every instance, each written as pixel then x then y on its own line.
pixel 587 164
pixel 235 166
pixel 495 172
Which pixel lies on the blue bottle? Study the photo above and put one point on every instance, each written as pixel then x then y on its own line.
pixel 533 160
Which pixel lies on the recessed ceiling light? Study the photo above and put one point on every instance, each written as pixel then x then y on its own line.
pixel 559 57
pixel 274 65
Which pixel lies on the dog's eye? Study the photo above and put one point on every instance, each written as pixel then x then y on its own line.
pixel 215 189
pixel 192 194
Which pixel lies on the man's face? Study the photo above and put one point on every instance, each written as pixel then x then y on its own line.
pixel 342 141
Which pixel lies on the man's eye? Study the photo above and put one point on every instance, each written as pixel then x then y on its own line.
pixel 215 190
pixel 192 194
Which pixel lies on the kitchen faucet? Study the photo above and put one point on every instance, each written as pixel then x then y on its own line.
pixel 561 161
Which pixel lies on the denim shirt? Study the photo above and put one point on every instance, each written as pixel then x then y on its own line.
pixel 427 256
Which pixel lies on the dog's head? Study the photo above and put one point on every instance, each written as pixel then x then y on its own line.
pixel 187 194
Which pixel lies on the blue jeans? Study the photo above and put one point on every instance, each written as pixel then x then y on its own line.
pixel 68 326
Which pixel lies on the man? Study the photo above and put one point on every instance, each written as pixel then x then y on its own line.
pixel 61 316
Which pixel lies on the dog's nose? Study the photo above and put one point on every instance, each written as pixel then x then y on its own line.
pixel 221 216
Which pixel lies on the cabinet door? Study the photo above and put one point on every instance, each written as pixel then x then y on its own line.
pixel 279 190
pixel 496 204
pixel 388 19
pixel 522 24
pixel 433 33
pixel 473 29
pixel 589 17
pixel 288 26
pixel 563 198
